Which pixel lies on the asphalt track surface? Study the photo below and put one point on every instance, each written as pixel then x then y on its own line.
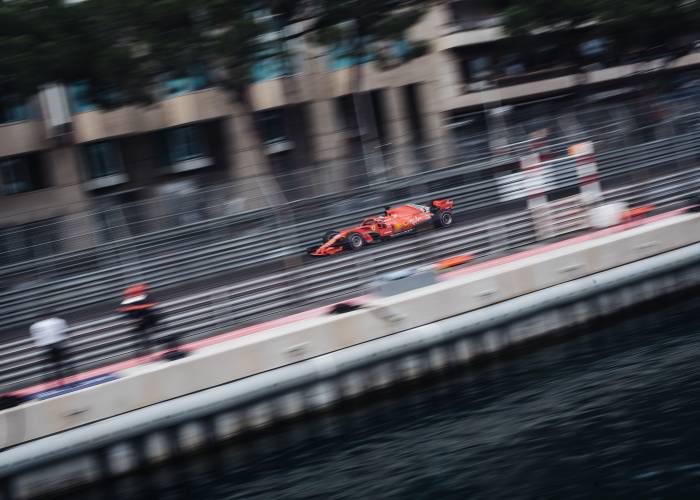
pixel 477 265
pixel 223 279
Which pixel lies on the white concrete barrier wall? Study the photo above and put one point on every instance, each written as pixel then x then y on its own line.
pixel 45 465
pixel 257 353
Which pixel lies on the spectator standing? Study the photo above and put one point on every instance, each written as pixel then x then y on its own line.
pixel 140 306
pixel 50 333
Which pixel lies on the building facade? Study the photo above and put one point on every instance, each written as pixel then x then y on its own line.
pixel 474 90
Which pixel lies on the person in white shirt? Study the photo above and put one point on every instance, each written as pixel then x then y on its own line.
pixel 51 333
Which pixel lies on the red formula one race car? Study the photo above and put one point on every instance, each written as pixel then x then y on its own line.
pixel 398 221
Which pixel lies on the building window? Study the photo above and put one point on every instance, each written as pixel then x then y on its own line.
pixel 183 149
pixel 185 143
pixel 414 115
pixel 480 67
pixel 103 159
pixel 400 49
pixel 548 56
pixel 271 125
pixel 277 55
pixel 343 53
pixel 512 65
pixel 81 97
pixel 20 174
pixel 341 57
pixel 472 14
pixel 12 109
pixel 593 47
pixel 184 84
pixel 377 116
pixel 271 62
pixel 346 113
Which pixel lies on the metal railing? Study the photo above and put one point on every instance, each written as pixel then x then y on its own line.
pixel 611 126
pixel 200 315
pixel 204 314
pixel 172 258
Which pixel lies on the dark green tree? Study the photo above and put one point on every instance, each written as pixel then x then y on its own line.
pixel 632 23
pixel 121 49
pixel 636 29
pixel 50 41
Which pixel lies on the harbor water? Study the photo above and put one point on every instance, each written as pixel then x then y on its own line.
pixel 614 412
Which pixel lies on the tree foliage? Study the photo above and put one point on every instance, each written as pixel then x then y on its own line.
pixel 371 29
pixel 45 41
pixel 120 49
pixel 633 25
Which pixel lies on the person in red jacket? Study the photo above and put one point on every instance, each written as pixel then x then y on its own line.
pixel 141 307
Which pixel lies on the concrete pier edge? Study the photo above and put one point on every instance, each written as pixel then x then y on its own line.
pixel 87 453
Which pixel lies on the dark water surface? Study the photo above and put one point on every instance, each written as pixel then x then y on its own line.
pixel 615 413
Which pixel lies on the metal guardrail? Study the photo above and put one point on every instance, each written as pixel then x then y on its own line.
pixel 611 126
pixel 204 314
pixel 176 257
pixel 195 261
pixel 201 315
pixel 311 208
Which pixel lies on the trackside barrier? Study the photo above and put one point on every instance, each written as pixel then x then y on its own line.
pixel 119 444
pixel 200 315
pixel 172 257
pixel 323 281
pixel 291 343
pixel 128 220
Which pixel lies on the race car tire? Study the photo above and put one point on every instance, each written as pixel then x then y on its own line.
pixel 443 219
pixel 328 235
pixel 354 241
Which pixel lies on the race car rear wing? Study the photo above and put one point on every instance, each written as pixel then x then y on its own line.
pixel 442 204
